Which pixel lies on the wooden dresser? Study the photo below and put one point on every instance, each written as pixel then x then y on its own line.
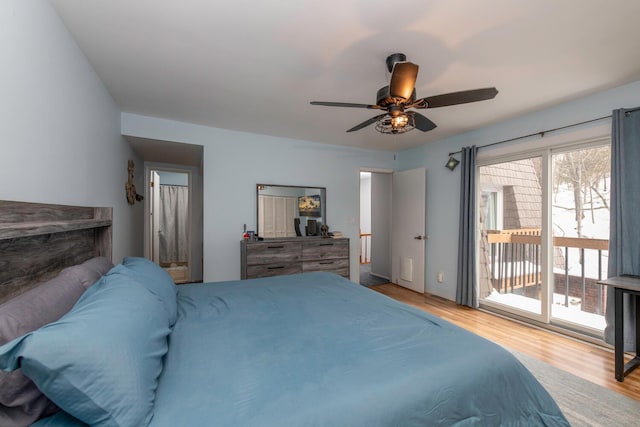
pixel 275 257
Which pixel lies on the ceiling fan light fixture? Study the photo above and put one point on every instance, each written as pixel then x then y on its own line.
pixel 394 125
pixel 399 121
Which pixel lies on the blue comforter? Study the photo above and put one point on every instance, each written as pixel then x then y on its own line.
pixel 317 350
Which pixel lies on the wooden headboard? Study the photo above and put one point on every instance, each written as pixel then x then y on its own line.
pixel 38 240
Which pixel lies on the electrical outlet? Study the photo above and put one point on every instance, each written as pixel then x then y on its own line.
pixel 440 276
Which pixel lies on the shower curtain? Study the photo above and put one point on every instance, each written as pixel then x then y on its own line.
pixel 174 224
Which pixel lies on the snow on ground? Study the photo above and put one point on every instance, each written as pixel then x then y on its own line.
pixel 572 314
pixel 594 225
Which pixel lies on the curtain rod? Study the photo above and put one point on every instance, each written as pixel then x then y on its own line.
pixel 544 132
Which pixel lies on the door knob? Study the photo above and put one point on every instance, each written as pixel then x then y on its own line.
pixel 420 237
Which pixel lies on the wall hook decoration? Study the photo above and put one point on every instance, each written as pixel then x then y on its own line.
pixel 130 187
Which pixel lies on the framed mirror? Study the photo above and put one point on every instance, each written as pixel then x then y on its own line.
pixel 290 211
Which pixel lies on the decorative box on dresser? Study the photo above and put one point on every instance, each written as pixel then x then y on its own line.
pixel 276 257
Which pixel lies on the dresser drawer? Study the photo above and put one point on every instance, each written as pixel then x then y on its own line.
pixel 339 266
pixel 276 253
pixel 256 271
pixel 325 249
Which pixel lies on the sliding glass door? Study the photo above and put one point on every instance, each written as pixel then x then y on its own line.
pixel 580 212
pixel 510 227
pixel 543 235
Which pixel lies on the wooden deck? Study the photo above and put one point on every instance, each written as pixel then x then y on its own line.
pixel 585 360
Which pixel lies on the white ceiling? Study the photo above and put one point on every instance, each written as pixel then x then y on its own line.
pixel 254 65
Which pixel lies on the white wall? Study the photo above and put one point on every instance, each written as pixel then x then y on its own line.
pixel 174 178
pixel 60 128
pixel 234 162
pixel 443 185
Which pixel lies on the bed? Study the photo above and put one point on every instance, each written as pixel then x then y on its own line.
pixel 302 350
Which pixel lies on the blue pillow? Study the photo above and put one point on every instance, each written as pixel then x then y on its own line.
pixel 101 361
pixel 21 403
pixel 157 281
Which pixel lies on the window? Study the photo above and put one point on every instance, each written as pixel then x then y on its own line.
pixel 491 206
pixel 543 241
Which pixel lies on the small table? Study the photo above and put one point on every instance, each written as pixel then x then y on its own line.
pixel 624 285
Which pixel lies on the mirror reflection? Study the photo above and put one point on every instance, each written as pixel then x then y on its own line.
pixel 290 211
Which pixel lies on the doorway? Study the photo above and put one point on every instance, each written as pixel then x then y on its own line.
pixel 375 227
pixel 393 248
pixel 511 205
pixel 169 221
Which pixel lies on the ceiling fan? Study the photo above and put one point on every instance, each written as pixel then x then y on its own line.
pixel 400 95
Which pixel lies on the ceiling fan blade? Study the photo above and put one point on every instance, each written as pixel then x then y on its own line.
pixel 403 80
pixel 367 123
pixel 420 122
pixel 344 104
pixel 463 97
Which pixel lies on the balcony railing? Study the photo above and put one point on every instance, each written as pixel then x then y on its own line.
pixel 515 266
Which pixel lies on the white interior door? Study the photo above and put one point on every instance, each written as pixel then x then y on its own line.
pixel 408 228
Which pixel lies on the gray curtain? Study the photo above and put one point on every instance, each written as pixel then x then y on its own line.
pixel 467 287
pixel 624 234
pixel 174 224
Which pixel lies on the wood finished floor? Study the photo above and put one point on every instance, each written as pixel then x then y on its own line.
pixel 585 360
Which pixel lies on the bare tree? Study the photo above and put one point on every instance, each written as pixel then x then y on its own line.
pixel 584 171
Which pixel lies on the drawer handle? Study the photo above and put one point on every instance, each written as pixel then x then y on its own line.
pixel 275 247
pixel 326 262
pixel 275 268
pixel 326 244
